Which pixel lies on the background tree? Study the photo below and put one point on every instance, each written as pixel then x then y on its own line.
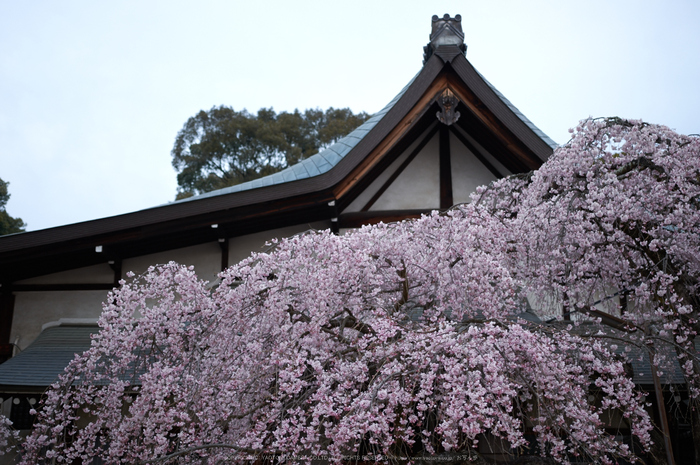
pixel 8 224
pixel 223 147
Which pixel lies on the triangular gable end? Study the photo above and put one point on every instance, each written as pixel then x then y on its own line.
pixel 449 132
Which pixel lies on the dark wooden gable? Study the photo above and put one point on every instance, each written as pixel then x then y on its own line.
pixel 487 126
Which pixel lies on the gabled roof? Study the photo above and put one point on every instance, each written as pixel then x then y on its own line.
pixel 316 189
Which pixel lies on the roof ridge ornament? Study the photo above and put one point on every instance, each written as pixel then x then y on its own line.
pixel 446 31
pixel 448 113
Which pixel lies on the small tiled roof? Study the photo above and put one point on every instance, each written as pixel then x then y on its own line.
pixel 40 364
pixel 46 358
pixel 314 165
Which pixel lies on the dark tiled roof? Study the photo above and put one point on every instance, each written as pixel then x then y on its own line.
pixel 299 194
pixel 45 359
pixel 41 363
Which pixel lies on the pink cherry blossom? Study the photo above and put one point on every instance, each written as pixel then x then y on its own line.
pixel 407 339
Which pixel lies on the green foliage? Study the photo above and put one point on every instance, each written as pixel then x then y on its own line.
pixel 8 225
pixel 223 147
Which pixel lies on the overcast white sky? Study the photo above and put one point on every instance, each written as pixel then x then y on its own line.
pixel 92 94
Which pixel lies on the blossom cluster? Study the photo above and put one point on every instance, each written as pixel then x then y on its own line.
pixel 611 223
pixel 407 339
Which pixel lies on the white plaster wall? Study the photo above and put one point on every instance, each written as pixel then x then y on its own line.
pixel 551 305
pixel 496 164
pixel 468 172
pixel 100 274
pixel 206 259
pixel 418 186
pixel 241 247
pixel 368 193
pixel 34 309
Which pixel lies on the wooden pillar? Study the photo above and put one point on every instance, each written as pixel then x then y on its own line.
pixel 223 244
pixel 7 310
pixel 335 222
pixel 445 168
pixel 623 302
pixel 116 266
pixel 661 406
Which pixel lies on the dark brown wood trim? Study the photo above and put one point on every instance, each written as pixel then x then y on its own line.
pixel 477 121
pixel 7 310
pixel 401 127
pixel 623 302
pixel 63 287
pixel 358 219
pixel 661 405
pixel 400 169
pixel 12 389
pixel 477 153
pixel 445 168
pixel 6 352
pixel 476 114
pixel 402 147
pixel 333 204
pixel 566 307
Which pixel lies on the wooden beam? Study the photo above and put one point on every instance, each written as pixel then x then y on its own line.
pixel 661 406
pixel 412 117
pixel 335 227
pixel 445 168
pixel 63 287
pixel 358 219
pixel 492 122
pixel 402 147
pixel 400 169
pixel 116 266
pixel 491 142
